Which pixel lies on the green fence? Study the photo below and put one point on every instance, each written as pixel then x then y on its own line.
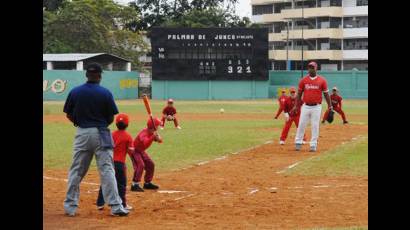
pixel 351 84
pixel 209 90
pixel 58 83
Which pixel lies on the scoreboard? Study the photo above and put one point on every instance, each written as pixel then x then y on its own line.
pixel 209 53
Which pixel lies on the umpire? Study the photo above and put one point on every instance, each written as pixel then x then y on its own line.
pixel 91 108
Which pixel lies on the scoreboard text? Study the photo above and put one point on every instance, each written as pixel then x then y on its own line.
pixel 209 53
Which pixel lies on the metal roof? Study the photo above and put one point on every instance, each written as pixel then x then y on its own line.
pixel 74 56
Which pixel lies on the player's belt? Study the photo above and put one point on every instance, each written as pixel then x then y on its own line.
pixel 312 104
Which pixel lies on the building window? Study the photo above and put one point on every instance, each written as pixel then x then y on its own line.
pixel 306 4
pixel 335 44
pixel 262 9
pixel 269 26
pixel 356 44
pixel 356 22
pixel 278 7
pixel 279 27
pixel 362 2
pixel 277 45
pixel 335 2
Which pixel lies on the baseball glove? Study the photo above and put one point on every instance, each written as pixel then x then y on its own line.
pixel 330 116
pixel 170 118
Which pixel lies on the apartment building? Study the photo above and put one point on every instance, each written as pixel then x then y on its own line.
pixel 333 32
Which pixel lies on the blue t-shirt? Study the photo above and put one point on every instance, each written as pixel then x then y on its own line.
pixel 90 105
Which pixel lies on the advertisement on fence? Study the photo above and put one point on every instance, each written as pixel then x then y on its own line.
pixel 58 83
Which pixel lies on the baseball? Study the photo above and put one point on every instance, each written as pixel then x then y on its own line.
pixel 221 110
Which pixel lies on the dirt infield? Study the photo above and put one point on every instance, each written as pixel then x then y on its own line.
pixel 240 191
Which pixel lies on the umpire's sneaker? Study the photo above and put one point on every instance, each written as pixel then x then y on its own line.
pixel 312 149
pixel 150 186
pixel 136 188
pixel 120 212
pixel 298 146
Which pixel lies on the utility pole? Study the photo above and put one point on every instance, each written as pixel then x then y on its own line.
pixel 287 46
pixel 303 20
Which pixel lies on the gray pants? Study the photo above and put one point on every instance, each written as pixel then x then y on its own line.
pixel 86 144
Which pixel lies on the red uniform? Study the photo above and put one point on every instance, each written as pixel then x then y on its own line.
pixel 293 118
pixel 122 141
pixel 140 159
pixel 169 111
pixel 312 89
pixel 281 101
pixel 337 106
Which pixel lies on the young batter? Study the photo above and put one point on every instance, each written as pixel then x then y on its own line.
pixel 122 145
pixel 141 160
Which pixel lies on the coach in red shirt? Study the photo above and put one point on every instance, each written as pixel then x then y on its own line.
pixel 311 86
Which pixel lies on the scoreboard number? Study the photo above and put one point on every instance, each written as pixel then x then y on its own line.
pixel 239 69
pixel 230 69
pixel 248 69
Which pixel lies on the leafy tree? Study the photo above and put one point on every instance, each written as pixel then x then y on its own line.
pixel 93 26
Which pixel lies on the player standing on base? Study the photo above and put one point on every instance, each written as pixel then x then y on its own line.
pixel 311 86
pixel 337 105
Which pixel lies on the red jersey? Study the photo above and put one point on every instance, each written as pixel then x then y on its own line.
pixel 336 100
pixel 143 140
pixel 122 141
pixel 169 111
pixel 312 89
pixel 281 100
pixel 288 106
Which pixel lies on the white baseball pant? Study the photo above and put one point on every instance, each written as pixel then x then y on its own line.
pixel 312 114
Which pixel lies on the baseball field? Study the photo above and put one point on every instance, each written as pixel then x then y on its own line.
pixel 223 171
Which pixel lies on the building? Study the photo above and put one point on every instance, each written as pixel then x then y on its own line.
pixel 333 32
pixel 77 61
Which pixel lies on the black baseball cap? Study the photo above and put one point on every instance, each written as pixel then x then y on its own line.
pixel 94 68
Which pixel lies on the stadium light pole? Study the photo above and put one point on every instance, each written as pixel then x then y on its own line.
pixel 287 46
pixel 303 20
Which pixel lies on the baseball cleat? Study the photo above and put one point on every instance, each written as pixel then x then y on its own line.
pixel 161 127
pixel 281 142
pixel 298 147
pixel 303 142
pixel 345 122
pixel 129 207
pixel 312 149
pixel 323 122
pixel 100 207
pixel 178 127
pixel 150 186
pixel 136 188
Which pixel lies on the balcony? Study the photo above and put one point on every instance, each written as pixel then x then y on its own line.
pixel 265 18
pixel 277 37
pixel 356 11
pixel 264 2
pixel 356 33
pixel 355 55
pixel 307 55
pixel 334 33
pixel 333 11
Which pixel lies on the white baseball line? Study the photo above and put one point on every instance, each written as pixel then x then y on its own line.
pixel 59 179
pixel 170 191
pixel 253 191
pixel 183 197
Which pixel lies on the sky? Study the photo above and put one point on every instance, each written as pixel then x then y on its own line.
pixel 243 8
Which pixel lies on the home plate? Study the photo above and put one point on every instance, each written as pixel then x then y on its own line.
pixel 169 191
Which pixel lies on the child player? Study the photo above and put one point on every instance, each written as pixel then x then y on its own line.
pixel 122 145
pixel 336 100
pixel 281 101
pixel 169 113
pixel 141 160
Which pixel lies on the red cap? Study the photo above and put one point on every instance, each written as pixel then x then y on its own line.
pixel 292 90
pixel 170 100
pixel 314 64
pixel 157 123
pixel 122 117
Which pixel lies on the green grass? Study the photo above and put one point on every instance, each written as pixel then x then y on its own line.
pixel 347 159
pixel 199 140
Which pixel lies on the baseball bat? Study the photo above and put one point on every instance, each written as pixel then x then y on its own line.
pixel 148 108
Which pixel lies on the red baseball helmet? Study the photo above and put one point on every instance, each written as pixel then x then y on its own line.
pixel 122 117
pixel 170 100
pixel 292 90
pixel 314 64
pixel 157 123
